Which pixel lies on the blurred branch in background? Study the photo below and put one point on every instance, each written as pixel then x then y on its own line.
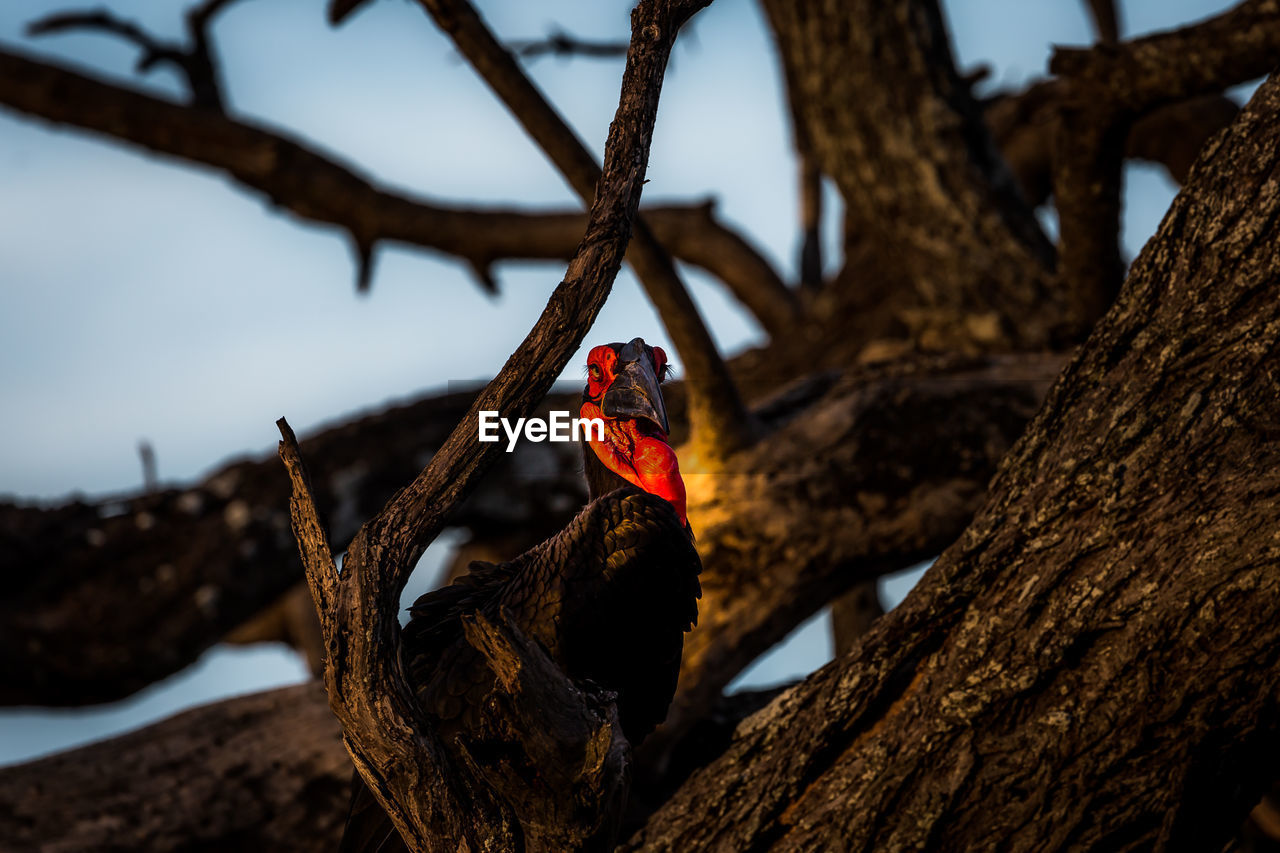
pixel 719 423
pixel 194 61
pixel 312 186
pixel 562 44
pixel 1102 91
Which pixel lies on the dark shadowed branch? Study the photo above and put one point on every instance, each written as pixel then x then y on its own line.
pixel 809 184
pixel 874 82
pixel 1023 125
pixel 1103 90
pixel 719 423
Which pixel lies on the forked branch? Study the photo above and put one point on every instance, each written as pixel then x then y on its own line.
pixel 315 187
pixel 194 61
pixel 393 747
pixel 1104 89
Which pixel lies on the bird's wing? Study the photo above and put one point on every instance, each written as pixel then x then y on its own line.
pixel 628 592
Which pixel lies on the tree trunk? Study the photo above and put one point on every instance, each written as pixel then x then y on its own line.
pixel 944 244
pixel 1093 664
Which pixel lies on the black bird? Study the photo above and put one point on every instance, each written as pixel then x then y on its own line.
pixel 609 597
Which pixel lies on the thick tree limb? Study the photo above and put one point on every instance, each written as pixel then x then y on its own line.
pixel 312 186
pixel 719 423
pixel 133 588
pixel 260 772
pixel 1103 90
pixel 1095 664
pixel 393 747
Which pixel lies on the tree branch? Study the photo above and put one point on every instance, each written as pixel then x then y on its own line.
pixel 1103 90
pixel 560 43
pixel 808 181
pixel 1106 20
pixel 195 62
pixel 394 749
pixel 261 772
pixel 719 423
pixel 1172 135
pixel 321 189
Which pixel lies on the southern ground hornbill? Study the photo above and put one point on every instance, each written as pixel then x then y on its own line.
pixel 609 597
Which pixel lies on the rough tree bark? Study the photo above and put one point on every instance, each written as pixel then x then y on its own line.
pixel 966 270
pixel 853 485
pixel 1094 663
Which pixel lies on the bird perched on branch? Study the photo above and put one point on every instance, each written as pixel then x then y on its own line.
pixel 609 597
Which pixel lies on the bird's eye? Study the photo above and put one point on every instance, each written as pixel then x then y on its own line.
pixel 594 371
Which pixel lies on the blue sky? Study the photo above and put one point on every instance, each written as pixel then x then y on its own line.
pixel 141 298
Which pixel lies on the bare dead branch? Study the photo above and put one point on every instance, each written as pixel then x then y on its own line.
pixel 1103 90
pixel 147 455
pixel 312 186
pixel 102 21
pixel 195 61
pixel 340 10
pixel 313 542
pixel 719 421
pixel 1234 47
pixel 394 750
pixel 562 44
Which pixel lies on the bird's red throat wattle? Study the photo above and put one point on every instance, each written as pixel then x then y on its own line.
pixel 637 451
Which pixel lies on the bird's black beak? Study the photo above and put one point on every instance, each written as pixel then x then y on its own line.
pixel 635 393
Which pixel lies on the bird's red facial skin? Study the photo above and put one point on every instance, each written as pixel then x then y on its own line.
pixel 640 455
pixel 600 366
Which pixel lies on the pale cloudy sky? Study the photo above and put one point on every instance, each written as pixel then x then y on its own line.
pixel 140 298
